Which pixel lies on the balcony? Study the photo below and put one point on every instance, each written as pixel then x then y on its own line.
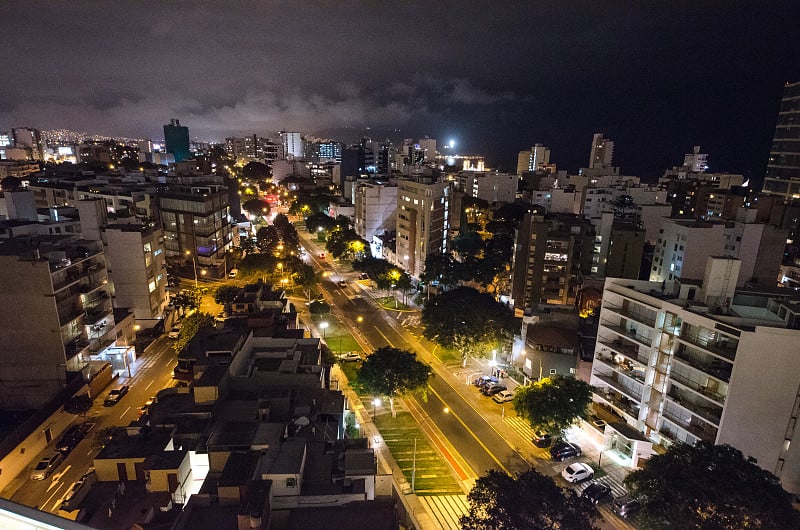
pixel 715 367
pixel 619 387
pixel 723 347
pixel 715 397
pixel 620 403
pixel 624 368
pixel 632 315
pixel 704 413
pixel 701 431
pixel 630 351
pixel 627 333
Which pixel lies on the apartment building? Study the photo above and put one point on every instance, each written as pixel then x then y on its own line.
pixel 55 314
pixel 550 252
pixel 375 209
pixel 423 223
pixel 196 220
pixel 690 360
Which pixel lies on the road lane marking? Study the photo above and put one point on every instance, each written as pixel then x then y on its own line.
pixel 126 411
pixel 440 442
pixel 61 485
pixel 456 416
pixel 149 385
pixel 384 336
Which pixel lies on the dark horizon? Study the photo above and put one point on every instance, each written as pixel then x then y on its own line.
pixel 496 78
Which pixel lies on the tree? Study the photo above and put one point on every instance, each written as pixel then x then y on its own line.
pixel 554 403
pixel 319 307
pixel 391 372
pixel 530 501
pixel 468 244
pixel 256 208
pixel 103 436
pixel 305 276
pixel 343 243
pixel 268 238
pixel 187 299
pixel 442 268
pixel 11 184
pixel 256 171
pixel 226 295
pixel 467 320
pixel 708 486
pixel 191 325
pixel 257 263
pixel 317 220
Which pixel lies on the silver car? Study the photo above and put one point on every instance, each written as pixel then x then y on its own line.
pixel 46 466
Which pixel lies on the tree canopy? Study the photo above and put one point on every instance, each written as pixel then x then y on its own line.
pixel 346 243
pixel 554 403
pixel 305 276
pixel 530 501
pixel 391 372
pixel 226 294
pixel 256 171
pixel 467 320
pixel 708 486
pixel 256 207
pixel 191 325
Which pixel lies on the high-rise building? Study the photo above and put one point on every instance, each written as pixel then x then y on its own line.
pixel 783 167
pixel 550 252
pixel 602 152
pixel 537 158
pixel 375 209
pixel 176 138
pixel 292 145
pixel 428 146
pixel 30 140
pixel 701 361
pixel 423 223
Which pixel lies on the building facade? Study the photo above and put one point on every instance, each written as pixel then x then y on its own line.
pixel 176 138
pixel 684 362
pixel 783 166
pixel 423 223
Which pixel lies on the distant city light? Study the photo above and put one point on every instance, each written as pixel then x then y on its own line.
pixel 452 144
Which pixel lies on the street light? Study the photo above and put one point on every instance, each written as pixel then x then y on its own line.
pixel 395 297
pixel 323 326
pixel 194 263
pixel 375 403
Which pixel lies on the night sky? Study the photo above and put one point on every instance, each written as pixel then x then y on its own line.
pixel 497 76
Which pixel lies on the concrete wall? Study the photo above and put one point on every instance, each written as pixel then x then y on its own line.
pixel 106 468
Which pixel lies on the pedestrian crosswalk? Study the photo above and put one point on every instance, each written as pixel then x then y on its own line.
pixel 446 509
pixel 521 426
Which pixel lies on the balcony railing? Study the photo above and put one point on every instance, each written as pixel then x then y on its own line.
pixel 717 368
pixel 701 412
pixel 625 332
pixel 619 387
pixel 636 375
pixel 625 405
pixel 709 433
pixel 725 349
pixel 715 397
pixel 627 313
pixel 628 350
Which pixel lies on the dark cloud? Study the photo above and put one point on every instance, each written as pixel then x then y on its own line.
pixel 499 76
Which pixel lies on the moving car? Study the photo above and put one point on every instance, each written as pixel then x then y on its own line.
pixel 625 506
pixel 145 409
pixel 71 438
pixel 503 396
pixel 577 472
pixel 563 450
pixel 596 493
pixel 46 466
pixel 342 283
pixel 115 395
pixel 542 439
pixel 233 273
pixel 493 388
pixel 174 333
pixel 350 356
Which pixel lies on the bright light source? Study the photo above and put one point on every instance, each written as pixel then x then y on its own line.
pixel 452 144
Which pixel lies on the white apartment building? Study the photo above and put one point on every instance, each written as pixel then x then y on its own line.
pixel 375 209
pixel 423 223
pixel 602 152
pixel 690 361
pixel 683 245
pixel 489 186
pixel 538 157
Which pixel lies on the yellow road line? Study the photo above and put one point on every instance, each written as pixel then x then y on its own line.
pixel 456 416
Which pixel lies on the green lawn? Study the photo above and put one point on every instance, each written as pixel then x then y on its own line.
pixel 433 476
pixel 447 355
pixel 389 302
pixel 337 336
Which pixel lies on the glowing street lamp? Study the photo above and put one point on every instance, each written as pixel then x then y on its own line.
pixel 323 326
pixel 375 402
pixel 194 263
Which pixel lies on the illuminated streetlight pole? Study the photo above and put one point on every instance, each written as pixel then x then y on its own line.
pixel 375 403
pixel 323 326
pixel 194 263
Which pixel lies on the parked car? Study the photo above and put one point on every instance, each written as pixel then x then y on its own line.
pixel 597 493
pixel 350 356
pixel 484 380
pixel 563 450
pixel 46 466
pixel 234 273
pixel 321 255
pixel 71 437
pixel 503 396
pixel 145 409
pixel 115 395
pixel 542 439
pixel 577 472
pixel 363 276
pixel 493 388
pixel 174 333
pixel 625 506
pixel 342 283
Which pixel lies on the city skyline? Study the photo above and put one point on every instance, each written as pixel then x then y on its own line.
pixel 497 79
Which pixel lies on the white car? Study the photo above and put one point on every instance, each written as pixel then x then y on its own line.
pixel 577 472
pixel 46 466
pixel 174 333
pixel 350 356
pixel 503 396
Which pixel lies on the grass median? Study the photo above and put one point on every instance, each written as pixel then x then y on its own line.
pixel 337 337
